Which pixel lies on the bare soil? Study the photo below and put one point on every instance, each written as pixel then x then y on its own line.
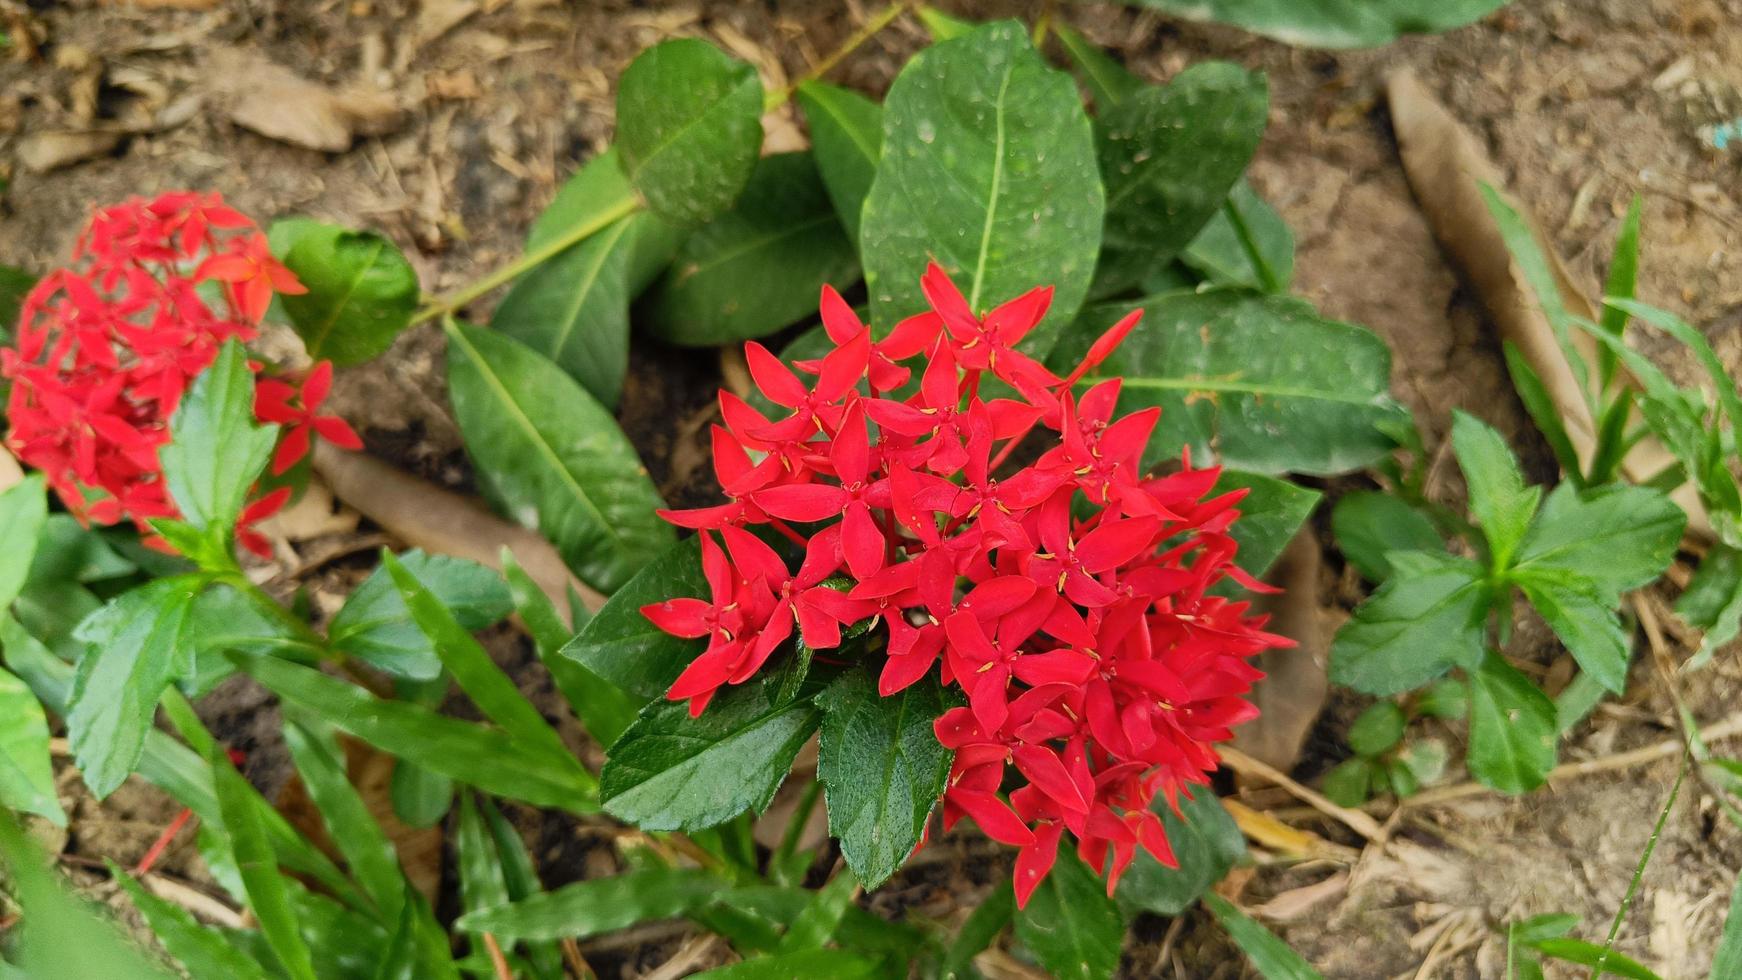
pixel 1583 104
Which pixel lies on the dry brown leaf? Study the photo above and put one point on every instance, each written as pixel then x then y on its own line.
pixel 439 521
pixel 1295 684
pixel 315 514
pixel 1267 831
pixel 51 150
pixel 11 474
pixel 437 17
pixel 1296 903
pixel 277 103
pixel 1446 167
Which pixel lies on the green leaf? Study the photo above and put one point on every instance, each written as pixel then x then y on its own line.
pixel 603 708
pixel 1499 499
pixel 1713 601
pixel 361 290
pixel 1421 623
pixel 1349 782
pixel 1533 264
pixel 1512 728
pixel 1262 383
pixel 814 927
pixel 490 689
pixel 1246 244
pixel 201 951
pixel 1070 925
pixel 26 774
pixel 847 137
pixel 1729 957
pixel 1206 842
pixel 978 933
pixel 836 964
pixel 15 284
pixel 598 905
pixel 1331 23
pixel 622 646
pixel 882 768
pixel 988 166
pixel 1378 729
pixel 1425 760
pixel 23 513
pixel 1448 698
pixel 224 618
pixel 1270 956
pixel 216 451
pixel 1542 409
pixel 135 646
pixel 375 627
pixel 1584 619
pixel 482 882
pixel 1169 155
pixel 368 853
pixel 1368 524
pixel 552 458
pixel 68 551
pixel 521 881
pixel 419 947
pixel 574 308
pixel 1621 284
pixel 267 897
pixel 942 26
pixel 1270 514
pixel 1106 79
pixel 64 937
pixel 420 798
pixel 688 128
pixel 673 772
pixel 1620 537
pixel 1590 954
pixel 482 757
pixel 758 267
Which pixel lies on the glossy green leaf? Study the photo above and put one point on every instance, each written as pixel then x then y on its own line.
pixel 492 690
pixel 419 947
pixel 1349 783
pixel 375 627
pixel 367 851
pixel 1378 729
pixel 23 514
pixel 1206 843
pixel 67 550
pixel 814 927
pixel 26 773
pixel 473 754
pixel 883 770
pixel 1422 622
pixel 1245 244
pixel 216 451
pixel 1499 499
pixel 64 937
pixel 1270 514
pixel 482 882
pixel 420 797
pixel 1590 954
pixel 224 618
pixel 1512 728
pixel 1448 698
pixel 598 905
pixel 1712 602
pixel 988 166
pixel 361 290
pixel 1331 23
pixel 552 458
pixel 521 881
pixel 1169 155
pixel 1728 962
pixel 847 137
pixel 1261 383
pixel 1270 956
pixel 15 284
pixel 1620 537
pixel 1368 524
pixel 622 646
pixel 1540 405
pixel 1070 925
pixel 1584 619
pixel 688 128
pixel 942 26
pixel 603 708
pixel 135 646
pixel 1106 79
pixel 758 267
pixel 673 772
pixel 255 860
pixel 202 952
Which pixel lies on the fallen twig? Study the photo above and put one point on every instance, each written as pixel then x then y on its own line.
pixel 1361 823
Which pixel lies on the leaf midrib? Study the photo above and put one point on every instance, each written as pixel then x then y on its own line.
pixel 1234 387
pixel 702 113
pixel 750 245
pixel 997 183
pixel 344 300
pixel 544 448
pixel 571 317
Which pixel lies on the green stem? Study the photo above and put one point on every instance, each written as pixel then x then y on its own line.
pixel 876 22
pixel 1639 872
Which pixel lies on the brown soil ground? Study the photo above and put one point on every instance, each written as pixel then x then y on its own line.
pixel 1583 104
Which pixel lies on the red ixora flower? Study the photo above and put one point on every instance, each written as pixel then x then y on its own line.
pixel 1071 600
pixel 106 349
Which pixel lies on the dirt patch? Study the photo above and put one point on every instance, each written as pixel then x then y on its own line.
pixel 1582 104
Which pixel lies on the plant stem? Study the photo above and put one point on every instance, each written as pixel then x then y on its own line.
pixel 1639 871
pixel 876 22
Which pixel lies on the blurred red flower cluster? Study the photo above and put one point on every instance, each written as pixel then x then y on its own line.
pixel 106 349
pixel 1069 599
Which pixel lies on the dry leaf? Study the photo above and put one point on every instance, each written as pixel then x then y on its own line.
pixel 314 515
pixel 437 17
pixel 1267 831
pixel 1296 903
pixel 1295 684
pixel 11 474
pixel 278 103
pixel 43 152
pixel 439 521
pixel 1446 168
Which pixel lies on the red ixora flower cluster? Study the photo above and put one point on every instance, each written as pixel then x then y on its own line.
pixel 1069 600
pixel 106 349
